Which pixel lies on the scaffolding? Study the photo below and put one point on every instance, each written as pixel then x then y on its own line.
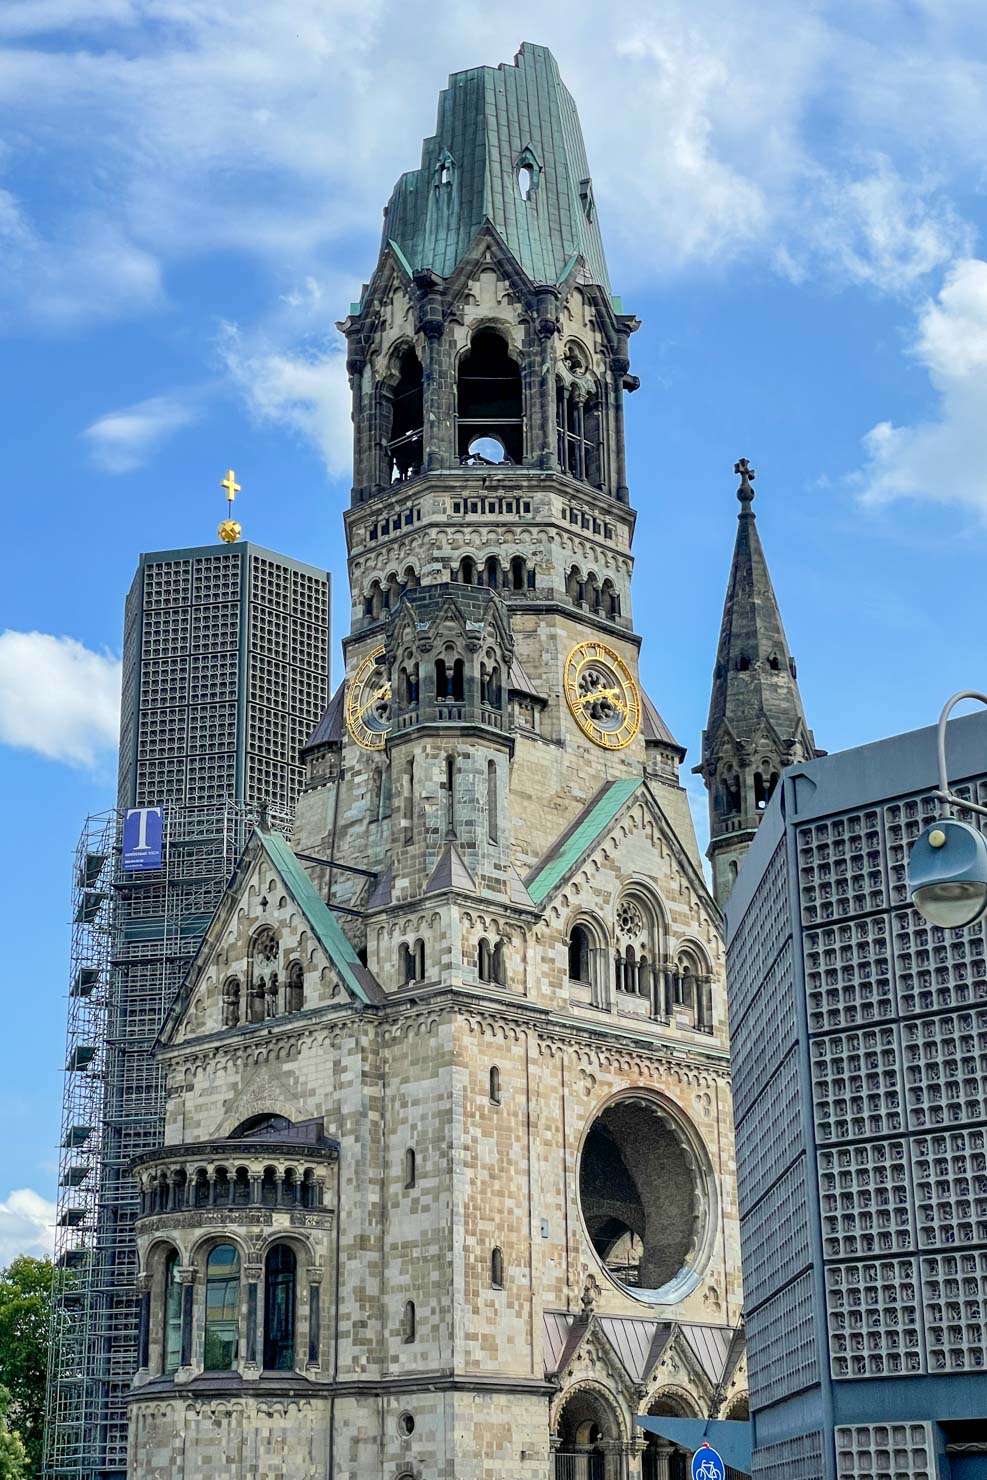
pixel 133 939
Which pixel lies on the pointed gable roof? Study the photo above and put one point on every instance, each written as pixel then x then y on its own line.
pixel 754 679
pixel 579 837
pixel 357 980
pixel 450 872
pixel 493 121
pixel 588 827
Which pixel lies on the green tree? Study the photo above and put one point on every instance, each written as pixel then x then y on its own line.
pixel 25 1312
pixel 13 1455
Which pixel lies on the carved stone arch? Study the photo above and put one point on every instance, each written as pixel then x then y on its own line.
pixel 597 1390
pixel 208 1239
pixel 300 1240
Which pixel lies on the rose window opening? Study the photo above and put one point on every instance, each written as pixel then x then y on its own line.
pixel 601 698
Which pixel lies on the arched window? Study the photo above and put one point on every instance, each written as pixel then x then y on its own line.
pixel 491 571
pixel 406 962
pixel 637 950
pixel 279 1308
pixel 499 965
pixel 412 961
pixel 269 1188
pixel 497 1269
pixel 222 1309
pixel 579 427
pixel 467 574
pixel 458 681
pixel 484 960
pixel 579 946
pixel 730 795
pixel 171 1355
pixel 451 793
pixel 765 781
pixel 494 1085
pixel 489 397
pixel 404 445
pixel 295 990
pixel 408 1323
pixel 263 973
pixel 409 1168
pixel 493 826
pixel 519 573
pixel 231 1002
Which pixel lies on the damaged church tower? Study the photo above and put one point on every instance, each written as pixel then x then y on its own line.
pixel 448 1187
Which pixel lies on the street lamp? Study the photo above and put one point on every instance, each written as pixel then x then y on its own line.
pixel 947 868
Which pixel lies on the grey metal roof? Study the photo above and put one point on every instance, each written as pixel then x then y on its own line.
pixel 450 872
pixel 638 1343
pixel 654 728
pixel 329 730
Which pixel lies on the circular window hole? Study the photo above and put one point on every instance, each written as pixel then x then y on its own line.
pixel 642 1201
pixel 406 1425
pixel 487 449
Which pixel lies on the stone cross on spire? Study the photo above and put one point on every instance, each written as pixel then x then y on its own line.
pixel 747 475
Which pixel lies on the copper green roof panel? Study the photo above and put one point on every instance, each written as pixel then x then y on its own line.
pixel 492 120
pixel 328 931
pixel 580 837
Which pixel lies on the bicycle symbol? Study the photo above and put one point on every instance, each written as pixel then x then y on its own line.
pixel 707 1465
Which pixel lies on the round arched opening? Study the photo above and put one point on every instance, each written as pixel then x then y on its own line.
pixel 586 1423
pixel 663 1460
pixel 645 1196
pixel 487 449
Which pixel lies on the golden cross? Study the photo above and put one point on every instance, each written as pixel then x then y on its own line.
pixel 230 484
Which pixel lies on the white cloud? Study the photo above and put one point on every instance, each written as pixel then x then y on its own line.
pixel 57 697
pixel 27 1225
pixel 717 134
pixel 304 388
pixel 944 457
pixel 123 440
pixel 875 228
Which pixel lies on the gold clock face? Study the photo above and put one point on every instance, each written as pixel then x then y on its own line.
pixel 368 702
pixel 603 697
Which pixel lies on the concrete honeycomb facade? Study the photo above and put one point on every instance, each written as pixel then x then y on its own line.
pixel 452 1071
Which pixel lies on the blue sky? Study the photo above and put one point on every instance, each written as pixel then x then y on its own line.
pixel 190 195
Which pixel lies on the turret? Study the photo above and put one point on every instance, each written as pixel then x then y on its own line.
pixel 756 723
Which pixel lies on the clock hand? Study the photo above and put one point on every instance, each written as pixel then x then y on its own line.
pixel 383 696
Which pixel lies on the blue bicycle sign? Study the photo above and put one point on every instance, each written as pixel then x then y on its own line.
pixel 707 1465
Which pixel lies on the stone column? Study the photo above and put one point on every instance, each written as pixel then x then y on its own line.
pixel 252 1276
pixel 636 1449
pixel 620 365
pixel 614 1467
pixel 144 1329
pixel 439 415
pixel 314 1322
pixel 600 975
pixel 186 1278
pixel 663 1452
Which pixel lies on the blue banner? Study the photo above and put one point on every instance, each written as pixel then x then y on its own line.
pixel 143 828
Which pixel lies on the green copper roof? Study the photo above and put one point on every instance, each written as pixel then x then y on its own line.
pixel 591 822
pixel 491 122
pixel 330 934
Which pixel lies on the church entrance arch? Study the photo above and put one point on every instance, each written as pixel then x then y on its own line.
pixel 588 1442
pixel 661 1459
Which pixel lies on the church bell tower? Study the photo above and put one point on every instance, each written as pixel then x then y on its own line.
pixel 496 1037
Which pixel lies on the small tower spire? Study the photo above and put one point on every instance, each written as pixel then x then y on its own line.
pixel 756 723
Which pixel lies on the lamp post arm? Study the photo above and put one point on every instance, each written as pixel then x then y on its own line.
pixel 944 793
